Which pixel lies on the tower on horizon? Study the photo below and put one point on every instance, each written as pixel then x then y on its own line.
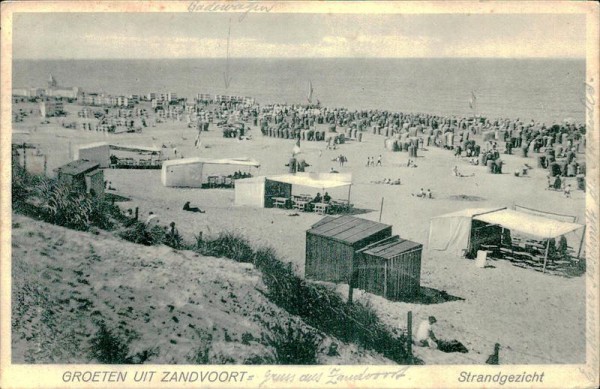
pixel 52 82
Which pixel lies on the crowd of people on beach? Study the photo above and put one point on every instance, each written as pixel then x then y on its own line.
pixel 481 140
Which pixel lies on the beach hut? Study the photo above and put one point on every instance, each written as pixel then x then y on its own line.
pixel 333 242
pixel 83 174
pixel 96 152
pixel 192 172
pixel 390 268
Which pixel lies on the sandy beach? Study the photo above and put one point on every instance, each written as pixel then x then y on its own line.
pixel 537 318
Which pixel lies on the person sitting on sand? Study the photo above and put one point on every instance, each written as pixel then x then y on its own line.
pixel 317 198
pixel 186 207
pixel 152 220
pixel 425 336
pixel 397 182
pixel 421 194
pixel 557 183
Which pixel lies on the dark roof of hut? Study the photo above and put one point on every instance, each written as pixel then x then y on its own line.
pixel 389 248
pixel 77 167
pixel 346 229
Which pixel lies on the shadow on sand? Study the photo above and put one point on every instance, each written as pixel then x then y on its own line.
pixel 432 296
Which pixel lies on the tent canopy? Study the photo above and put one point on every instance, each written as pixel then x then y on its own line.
pixel 93 145
pixel 211 161
pixel 541 227
pixel 468 212
pixel 134 148
pixel 315 180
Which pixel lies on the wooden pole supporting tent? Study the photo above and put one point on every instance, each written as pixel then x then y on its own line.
pixel 546 254
pixel 581 242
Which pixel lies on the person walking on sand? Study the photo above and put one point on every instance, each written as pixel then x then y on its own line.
pixel 567 191
pixel 368 161
pixel 379 160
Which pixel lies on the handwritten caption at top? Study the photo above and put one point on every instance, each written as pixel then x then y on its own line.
pixel 245 7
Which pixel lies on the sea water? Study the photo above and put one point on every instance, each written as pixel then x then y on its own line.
pixel 546 90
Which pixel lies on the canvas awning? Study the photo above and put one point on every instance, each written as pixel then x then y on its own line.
pixel 315 180
pixel 450 232
pixel 133 148
pixel 211 161
pixel 529 224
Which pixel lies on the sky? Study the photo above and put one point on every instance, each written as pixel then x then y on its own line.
pixel 278 35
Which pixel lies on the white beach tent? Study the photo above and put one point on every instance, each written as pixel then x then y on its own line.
pixel 540 227
pixel 257 191
pixel 95 152
pixel 188 172
pixel 250 192
pixel 451 232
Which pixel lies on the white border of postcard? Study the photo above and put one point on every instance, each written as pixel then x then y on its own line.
pixel 555 376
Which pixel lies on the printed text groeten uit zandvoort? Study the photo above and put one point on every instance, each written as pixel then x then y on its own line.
pixel 270 378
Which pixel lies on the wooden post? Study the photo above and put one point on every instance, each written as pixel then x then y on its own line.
pixel 351 283
pixel 581 243
pixel 24 156
pixel 45 165
pixel 409 333
pixel 349 190
pixel 381 210
pixel 546 255
pixel 136 213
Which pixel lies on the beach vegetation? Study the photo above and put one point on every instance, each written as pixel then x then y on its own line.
pixel 293 345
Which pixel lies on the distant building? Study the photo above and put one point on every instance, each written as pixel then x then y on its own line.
pixel 104 100
pixel 51 108
pixel 83 174
pixel 64 92
pixel 28 92
pixel 54 90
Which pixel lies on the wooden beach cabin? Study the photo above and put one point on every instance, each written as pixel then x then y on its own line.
pixel 390 268
pixel 333 242
pixel 83 174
